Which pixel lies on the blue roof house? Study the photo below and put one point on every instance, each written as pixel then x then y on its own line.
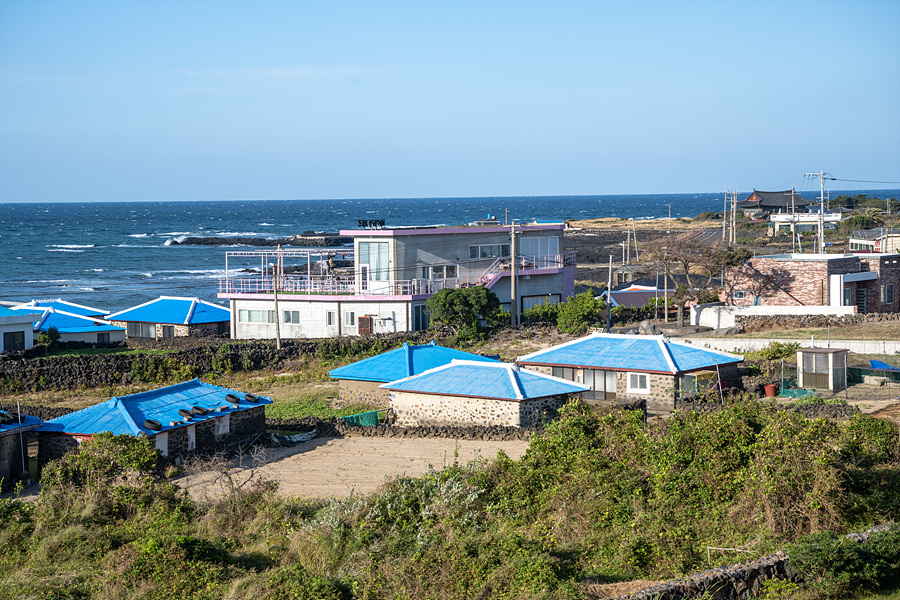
pixel 182 419
pixel 16 330
pixel 467 392
pixel 66 306
pixel 358 383
pixel 169 316
pixel 13 445
pixel 72 327
pixel 635 367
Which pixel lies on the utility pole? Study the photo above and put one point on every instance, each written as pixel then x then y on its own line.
pixel 514 293
pixel 793 231
pixel 609 298
pixel 670 220
pixel 628 245
pixel 725 217
pixel 821 176
pixel 637 256
pixel 734 201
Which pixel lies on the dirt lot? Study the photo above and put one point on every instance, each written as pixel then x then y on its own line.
pixel 338 467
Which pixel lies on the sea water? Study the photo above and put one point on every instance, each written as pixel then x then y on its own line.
pixel 117 255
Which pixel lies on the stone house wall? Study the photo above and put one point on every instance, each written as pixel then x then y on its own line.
pixel 194 330
pixel 362 392
pixel 10 457
pixel 413 409
pixel 244 427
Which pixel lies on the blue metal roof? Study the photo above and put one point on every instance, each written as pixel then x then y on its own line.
pixel 653 353
pixel 8 312
pixel 28 422
pixel 64 322
pixel 128 413
pixel 64 306
pixel 496 380
pixel 178 311
pixel 403 362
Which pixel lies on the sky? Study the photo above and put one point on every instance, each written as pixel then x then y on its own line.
pixel 218 100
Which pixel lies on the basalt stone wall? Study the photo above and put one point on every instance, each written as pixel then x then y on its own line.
pixel 811 411
pixel 752 323
pixel 10 458
pixel 362 392
pixel 735 582
pixel 188 356
pixel 338 428
pixel 414 409
pixel 52 446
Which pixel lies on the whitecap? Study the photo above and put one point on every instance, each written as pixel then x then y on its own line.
pixel 139 235
pixel 65 250
pixel 178 239
pixel 267 224
pixel 147 274
pixel 72 245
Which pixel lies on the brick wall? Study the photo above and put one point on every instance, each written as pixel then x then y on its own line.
pixel 362 392
pixel 786 282
pixel 430 409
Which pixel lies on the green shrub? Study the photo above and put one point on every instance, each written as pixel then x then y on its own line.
pixel 577 313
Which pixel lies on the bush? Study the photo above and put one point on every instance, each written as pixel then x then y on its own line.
pixel 579 312
pixel 461 310
pixel 541 313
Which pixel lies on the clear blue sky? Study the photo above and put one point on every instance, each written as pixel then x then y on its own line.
pixel 205 100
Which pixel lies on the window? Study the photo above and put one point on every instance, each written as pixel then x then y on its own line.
pixel 141 330
pixel 738 294
pixel 848 296
pixel 168 331
pixel 567 373
pixel 638 383
pixel 375 255
pixel 330 318
pixel 420 317
pixel 350 319
pixel 488 251
pixel 887 294
pixel 439 272
pixel 292 317
pixel 246 315
pixel 102 338
pixel 13 341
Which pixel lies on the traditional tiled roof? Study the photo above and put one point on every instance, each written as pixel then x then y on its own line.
pixel 773 199
pixel 128 413
pixel 651 353
pixel 176 311
pixel 478 379
pixel 405 361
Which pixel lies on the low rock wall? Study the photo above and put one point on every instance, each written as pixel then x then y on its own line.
pixel 735 582
pixel 338 428
pixel 30 371
pixel 810 411
pixel 751 323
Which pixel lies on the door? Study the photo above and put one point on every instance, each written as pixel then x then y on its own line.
pixel 365 325
pixel 860 299
pixel 815 371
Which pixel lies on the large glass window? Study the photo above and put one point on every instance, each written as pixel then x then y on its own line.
pixel 292 317
pixel 376 256
pixel 488 251
pixel 539 246
pixel 141 330
pixel 251 315
pixel 13 341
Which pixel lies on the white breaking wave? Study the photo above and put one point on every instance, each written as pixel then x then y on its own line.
pixel 178 239
pixel 147 274
pixel 72 245
pixel 177 233
pixel 267 224
pixel 139 235
pixel 64 250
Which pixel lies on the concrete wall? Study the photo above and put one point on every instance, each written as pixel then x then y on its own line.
pixel 91 337
pixel 362 392
pixel 413 409
pixel 717 316
pixel 10 327
pixel 388 317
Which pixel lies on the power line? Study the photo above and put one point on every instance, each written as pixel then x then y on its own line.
pixel 861 180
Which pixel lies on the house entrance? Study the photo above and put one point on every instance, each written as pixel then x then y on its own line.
pixel 861 299
pixel 365 325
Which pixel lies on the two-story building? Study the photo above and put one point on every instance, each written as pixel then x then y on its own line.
pixel 868 281
pixel 395 271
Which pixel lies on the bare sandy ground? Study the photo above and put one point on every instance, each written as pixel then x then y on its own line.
pixel 339 467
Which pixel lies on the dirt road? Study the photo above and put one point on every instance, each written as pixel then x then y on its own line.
pixel 326 467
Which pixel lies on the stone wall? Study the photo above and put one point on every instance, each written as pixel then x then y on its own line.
pixel 811 411
pixel 52 446
pixel 362 392
pixel 735 582
pixel 31 371
pixel 413 409
pixel 751 323
pixel 10 458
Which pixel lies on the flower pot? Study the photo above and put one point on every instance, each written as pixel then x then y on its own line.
pixel 770 390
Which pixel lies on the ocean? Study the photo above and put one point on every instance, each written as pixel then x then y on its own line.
pixel 117 255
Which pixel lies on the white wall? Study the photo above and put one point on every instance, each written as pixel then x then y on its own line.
pixel 90 337
pixel 14 327
pixel 718 316
pixel 388 317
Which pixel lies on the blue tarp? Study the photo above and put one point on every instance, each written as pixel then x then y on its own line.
pixel 877 364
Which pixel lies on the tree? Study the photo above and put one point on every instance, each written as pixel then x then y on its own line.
pixel 49 338
pixel 461 310
pixel 578 312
